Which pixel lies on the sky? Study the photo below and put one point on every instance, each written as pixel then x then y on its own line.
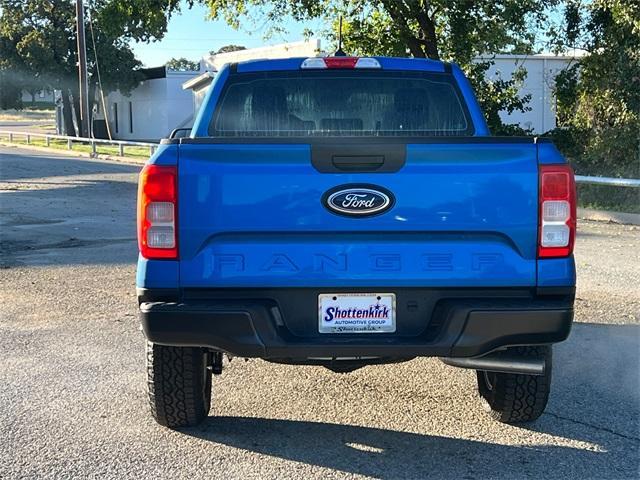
pixel 191 35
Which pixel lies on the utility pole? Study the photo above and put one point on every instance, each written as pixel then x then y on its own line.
pixel 82 72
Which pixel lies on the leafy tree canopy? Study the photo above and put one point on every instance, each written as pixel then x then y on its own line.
pixel 38 42
pixel 599 96
pixel 227 49
pixel 183 65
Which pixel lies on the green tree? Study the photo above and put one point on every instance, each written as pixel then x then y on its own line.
pixel 182 65
pixel 38 42
pixel 452 30
pixel 227 49
pixel 10 91
pixel 14 74
pixel 599 96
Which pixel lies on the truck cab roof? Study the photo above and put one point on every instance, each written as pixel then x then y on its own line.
pixel 386 63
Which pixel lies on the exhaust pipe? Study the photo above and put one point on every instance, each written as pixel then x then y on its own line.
pixel 500 362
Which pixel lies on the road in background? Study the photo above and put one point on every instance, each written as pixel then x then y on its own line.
pixel 40 121
pixel 73 401
pixel 40 127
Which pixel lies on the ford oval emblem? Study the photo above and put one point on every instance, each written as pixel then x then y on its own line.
pixel 358 200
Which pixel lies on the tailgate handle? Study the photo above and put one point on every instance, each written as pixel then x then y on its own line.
pixel 357 162
pixel 336 156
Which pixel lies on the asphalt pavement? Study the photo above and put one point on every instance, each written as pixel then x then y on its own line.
pixel 72 392
pixel 33 126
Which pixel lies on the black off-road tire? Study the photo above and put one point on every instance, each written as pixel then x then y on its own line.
pixel 179 385
pixel 514 398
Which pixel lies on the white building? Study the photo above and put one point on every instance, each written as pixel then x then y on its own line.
pixel 153 109
pixel 166 99
pixel 539 83
pixel 40 97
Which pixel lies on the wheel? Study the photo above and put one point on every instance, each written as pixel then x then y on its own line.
pixel 515 398
pixel 179 385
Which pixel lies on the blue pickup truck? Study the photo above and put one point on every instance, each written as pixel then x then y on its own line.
pixel 344 212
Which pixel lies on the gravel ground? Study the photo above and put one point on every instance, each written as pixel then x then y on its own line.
pixel 73 400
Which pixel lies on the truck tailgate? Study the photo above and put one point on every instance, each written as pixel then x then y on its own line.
pixel 465 214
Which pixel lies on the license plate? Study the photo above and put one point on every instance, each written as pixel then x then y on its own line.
pixel 357 312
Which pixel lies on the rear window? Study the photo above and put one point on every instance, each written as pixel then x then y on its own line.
pixel 340 103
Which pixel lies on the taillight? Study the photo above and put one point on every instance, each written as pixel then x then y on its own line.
pixel 339 62
pixel 157 209
pixel 557 200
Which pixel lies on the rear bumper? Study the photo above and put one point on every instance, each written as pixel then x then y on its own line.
pixel 282 323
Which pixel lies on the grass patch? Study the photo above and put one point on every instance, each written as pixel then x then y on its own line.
pixel 39 106
pixel 609 197
pixel 131 151
pixel 51 127
pixel 28 115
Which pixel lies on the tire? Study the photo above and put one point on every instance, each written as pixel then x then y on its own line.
pixel 515 398
pixel 179 385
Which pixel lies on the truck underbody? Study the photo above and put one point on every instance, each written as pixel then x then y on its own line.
pixel 279 324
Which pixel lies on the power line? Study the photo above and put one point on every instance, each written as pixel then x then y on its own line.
pixel 176 49
pixel 95 54
pixel 208 39
pixel 82 72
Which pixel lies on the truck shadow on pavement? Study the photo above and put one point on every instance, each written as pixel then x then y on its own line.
pixel 595 400
pixel 383 453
